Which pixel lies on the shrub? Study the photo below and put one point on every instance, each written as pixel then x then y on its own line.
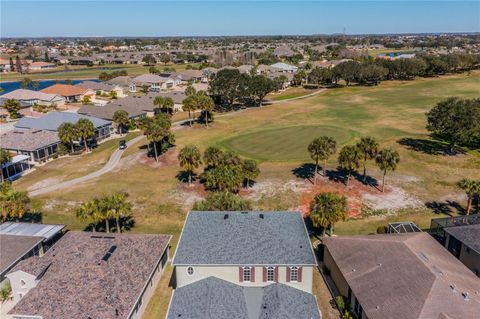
pixel 382 229
pixel 5 291
pixel 340 302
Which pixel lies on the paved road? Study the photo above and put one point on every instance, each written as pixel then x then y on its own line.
pixel 117 154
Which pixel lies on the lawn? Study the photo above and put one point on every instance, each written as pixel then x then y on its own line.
pixel 393 112
pixel 263 144
pixel 289 93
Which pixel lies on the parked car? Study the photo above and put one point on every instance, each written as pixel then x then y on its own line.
pixel 122 144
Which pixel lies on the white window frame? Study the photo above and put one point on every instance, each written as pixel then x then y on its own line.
pixel 192 269
pixel 270 274
pixel 294 274
pixel 247 273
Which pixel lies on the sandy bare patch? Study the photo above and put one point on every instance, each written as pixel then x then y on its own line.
pixel 129 161
pixel 187 195
pixel 53 204
pixel 394 198
pixel 272 187
pixel 44 183
pixel 169 158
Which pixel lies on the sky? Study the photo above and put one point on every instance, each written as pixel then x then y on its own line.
pixel 69 18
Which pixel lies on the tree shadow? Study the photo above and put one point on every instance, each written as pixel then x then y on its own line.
pixel 30 217
pixel 305 171
pixel 447 207
pixel 182 176
pixel 369 180
pixel 430 147
pixel 338 176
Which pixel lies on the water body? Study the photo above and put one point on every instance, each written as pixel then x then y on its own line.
pixel 12 86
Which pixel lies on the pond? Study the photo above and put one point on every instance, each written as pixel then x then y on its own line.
pixel 12 86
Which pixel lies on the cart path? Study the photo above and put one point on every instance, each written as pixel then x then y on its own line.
pixel 117 154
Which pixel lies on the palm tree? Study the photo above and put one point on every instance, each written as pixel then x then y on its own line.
pixel 165 104
pixel 121 119
pixel 88 212
pixel 190 90
pixel 387 160
pixel 326 209
pixel 321 149
pixel 206 104
pixel 119 207
pixel 348 159
pixel 155 133
pixel 5 157
pixel 471 188
pixel 14 204
pixel 12 107
pixel 368 148
pixel 189 158
pixel 213 156
pixel 68 133
pixel 190 104
pixel 86 130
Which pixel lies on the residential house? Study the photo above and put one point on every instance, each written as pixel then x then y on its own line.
pixel 155 82
pixel 283 51
pixel 107 111
pixel 401 276
pixel 30 97
pixel 284 67
pixel 36 144
pixel 37 66
pixel 90 275
pixel 246 68
pixel 262 260
pixel 464 243
pixel 19 241
pixel 52 120
pixel 102 88
pixel 176 96
pixel 5 65
pixel 193 76
pixel 15 167
pixel 70 93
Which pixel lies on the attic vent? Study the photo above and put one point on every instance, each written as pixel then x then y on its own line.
pixel 37 131
pixel 465 296
pixel 109 253
pixel 423 256
pixel 244 212
pixel 225 216
pixel 262 216
pixel 452 286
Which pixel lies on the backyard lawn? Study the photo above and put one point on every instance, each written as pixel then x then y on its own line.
pixel 277 135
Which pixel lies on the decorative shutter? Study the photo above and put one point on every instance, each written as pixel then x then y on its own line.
pixel 276 274
pixel 264 274
pixel 288 274
pixel 299 276
pixel 252 274
pixel 240 274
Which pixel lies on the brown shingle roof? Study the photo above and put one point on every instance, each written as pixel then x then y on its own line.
pixel 405 276
pixel 28 139
pixel 79 284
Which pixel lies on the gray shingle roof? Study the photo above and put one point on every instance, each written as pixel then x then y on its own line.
pixel 28 139
pixel 53 120
pixel 213 298
pixel 107 111
pixel 468 235
pixel 77 283
pixel 13 248
pixel 244 238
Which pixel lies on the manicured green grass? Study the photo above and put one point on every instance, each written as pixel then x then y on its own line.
pixel 285 143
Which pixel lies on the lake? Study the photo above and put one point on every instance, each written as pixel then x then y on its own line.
pixel 12 86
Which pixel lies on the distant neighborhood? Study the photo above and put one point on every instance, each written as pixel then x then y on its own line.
pixel 272 177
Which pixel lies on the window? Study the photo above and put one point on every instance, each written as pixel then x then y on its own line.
pixel 247 274
pixel 294 274
pixel 190 271
pixel 23 283
pixel 271 274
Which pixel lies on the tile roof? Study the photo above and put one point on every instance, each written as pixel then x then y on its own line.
pixel 213 298
pixel 64 90
pixel 46 231
pixel 405 276
pixel 13 248
pixel 468 235
pixel 28 140
pixel 77 283
pixel 52 120
pixel 244 238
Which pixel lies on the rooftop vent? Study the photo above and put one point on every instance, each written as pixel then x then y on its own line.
pixel 109 253
pixel 225 216
pixel 465 296
pixel 244 212
pixel 453 286
pixel 262 216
